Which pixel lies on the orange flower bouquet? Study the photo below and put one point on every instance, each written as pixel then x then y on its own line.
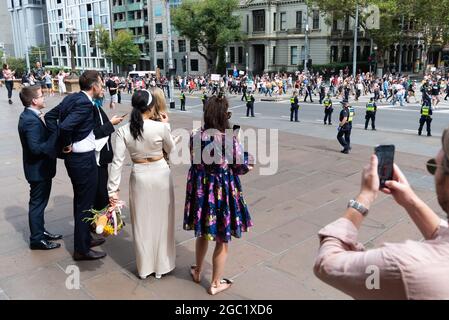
pixel 108 220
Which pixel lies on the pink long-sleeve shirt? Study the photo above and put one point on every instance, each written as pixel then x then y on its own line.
pixel 408 270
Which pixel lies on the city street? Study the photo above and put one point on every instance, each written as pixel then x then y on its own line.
pixel 274 260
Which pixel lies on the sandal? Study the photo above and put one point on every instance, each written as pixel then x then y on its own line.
pixel 224 285
pixel 195 274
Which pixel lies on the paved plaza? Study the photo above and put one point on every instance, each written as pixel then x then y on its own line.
pixel 273 261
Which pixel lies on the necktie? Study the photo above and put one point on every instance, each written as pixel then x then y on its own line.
pixel 41 116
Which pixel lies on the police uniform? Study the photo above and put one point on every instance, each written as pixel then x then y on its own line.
pixel 351 111
pixel 182 98
pixel 426 117
pixel 344 130
pixel 204 100
pixel 371 109
pixel 328 109
pixel 250 105
pixel 294 108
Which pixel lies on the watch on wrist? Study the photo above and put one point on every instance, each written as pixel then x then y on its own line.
pixel 358 206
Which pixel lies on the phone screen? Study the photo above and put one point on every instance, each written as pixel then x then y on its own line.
pixel 235 127
pixel 385 155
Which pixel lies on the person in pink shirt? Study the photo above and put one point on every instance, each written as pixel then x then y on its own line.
pixel 407 270
pixel 8 75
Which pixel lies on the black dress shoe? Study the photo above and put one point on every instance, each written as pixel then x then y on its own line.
pixel 52 237
pixel 44 245
pixel 91 255
pixel 96 242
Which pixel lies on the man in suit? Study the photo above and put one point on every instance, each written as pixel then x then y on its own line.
pixel 39 164
pixel 76 137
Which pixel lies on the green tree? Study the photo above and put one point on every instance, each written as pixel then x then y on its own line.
pixel 122 50
pixel 37 54
pixel 17 64
pixel 390 14
pixel 210 23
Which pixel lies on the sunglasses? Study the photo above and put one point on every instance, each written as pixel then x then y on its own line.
pixel 432 166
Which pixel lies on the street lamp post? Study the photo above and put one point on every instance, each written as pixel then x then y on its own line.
pixel 71 38
pixel 170 54
pixel 356 29
pixel 247 62
pixel 306 45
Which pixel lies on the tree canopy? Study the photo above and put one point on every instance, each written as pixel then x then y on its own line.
pixel 122 50
pixel 209 23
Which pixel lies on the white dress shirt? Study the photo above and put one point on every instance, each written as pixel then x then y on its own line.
pixel 88 143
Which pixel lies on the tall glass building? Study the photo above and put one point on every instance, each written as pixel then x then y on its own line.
pixel 84 16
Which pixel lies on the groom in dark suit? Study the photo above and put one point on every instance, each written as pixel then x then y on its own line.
pixel 77 141
pixel 39 164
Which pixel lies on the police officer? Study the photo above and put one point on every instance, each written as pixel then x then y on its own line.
pixel 371 109
pixel 204 99
pixel 343 127
pixel 426 117
pixel 250 104
pixel 294 103
pixel 182 98
pixel 328 109
pixel 351 111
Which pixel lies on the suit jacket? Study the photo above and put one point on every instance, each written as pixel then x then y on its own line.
pixel 73 117
pixel 38 147
pixel 101 131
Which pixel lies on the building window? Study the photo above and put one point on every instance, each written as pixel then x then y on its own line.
pixel 334 25
pixel 334 54
pixel 274 55
pixel 194 65
pixel 159 46
pixel 345 54
pixel 294 55
pixel 182 45
pixel 259 20
pixel 173 46
pixel 283 21
pixel 299 20
pixel 316 19
pixel 232 54
pixel 158 28
pixel 193 46
pixel 247 23
pixel 160 63
pixel 347 23
pixel 240 55
pixel 158 10
pixel 274 21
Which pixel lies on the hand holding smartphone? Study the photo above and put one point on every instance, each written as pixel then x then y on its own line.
pixel 385 156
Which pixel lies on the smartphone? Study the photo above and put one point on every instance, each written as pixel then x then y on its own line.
pixel 235 127
pixel 385 155
pixel 124 115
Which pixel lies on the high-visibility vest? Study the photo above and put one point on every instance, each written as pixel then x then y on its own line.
pixel 425 111
pixel 292 100
pixel 351 114
pixel 204 97
pixel 327 102
pixel 182 97
pixel 370 107
pixel 248 98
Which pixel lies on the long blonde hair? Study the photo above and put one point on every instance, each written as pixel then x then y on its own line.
pixel 159 105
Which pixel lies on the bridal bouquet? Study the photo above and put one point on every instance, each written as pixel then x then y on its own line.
pixel 108 220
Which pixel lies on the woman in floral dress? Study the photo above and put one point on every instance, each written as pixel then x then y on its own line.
pixel 215 208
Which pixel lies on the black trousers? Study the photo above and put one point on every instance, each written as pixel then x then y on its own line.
pixel 370 116
pixel 39 195
pixel 348 136
pixel 9 85
pixel 250 108
pixel 308 94
pixel 102 197
pixel 328 115
pixel 183 105
pixel 119 96
pixel 427 121
pixel 341 140
pixel 321 97
pixel 294 111
pixel 83 172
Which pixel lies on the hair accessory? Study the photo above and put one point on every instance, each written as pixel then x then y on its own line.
pixel 150 97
